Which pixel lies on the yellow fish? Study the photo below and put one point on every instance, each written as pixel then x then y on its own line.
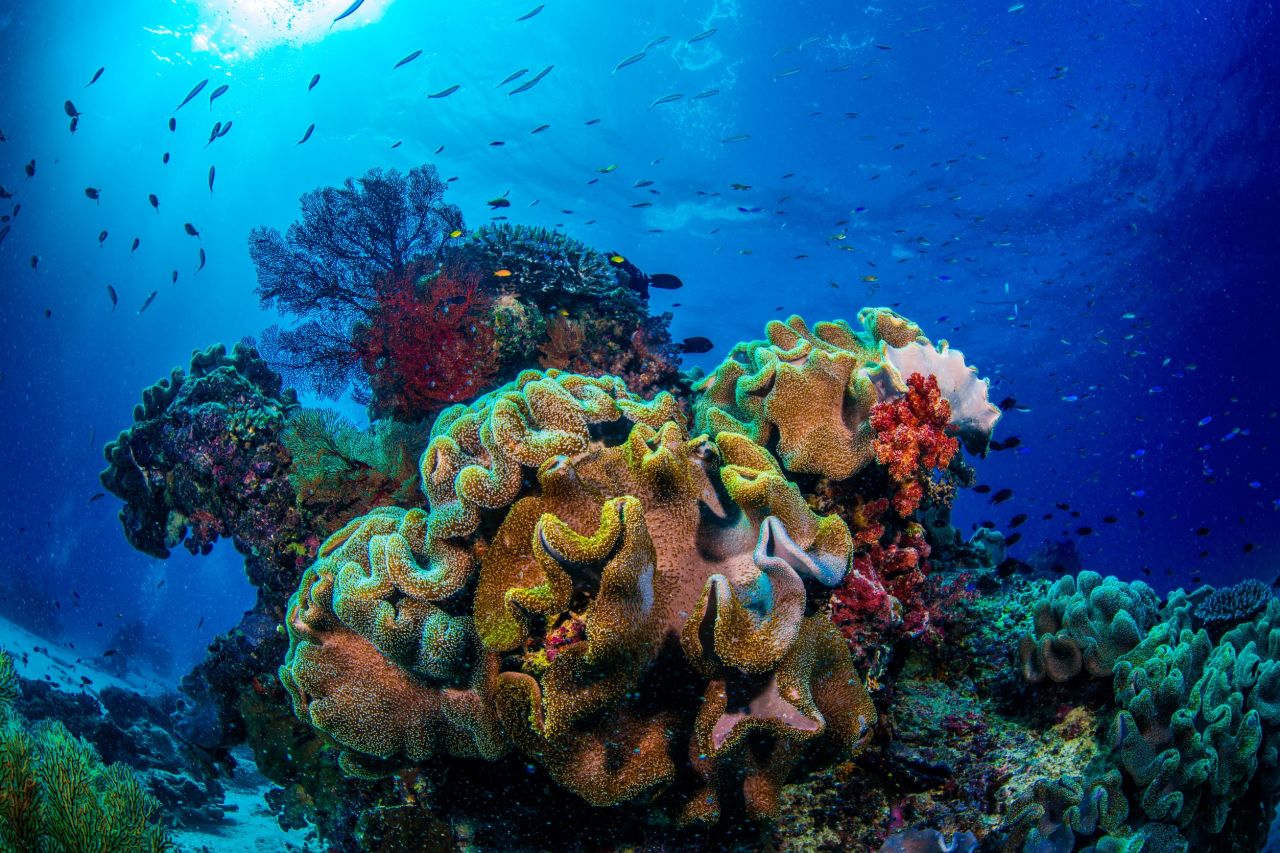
pixel 869 278
pixel 503 273
pixel 455 234
pixel 618 259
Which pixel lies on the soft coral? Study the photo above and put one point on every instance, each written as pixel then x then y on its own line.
pixel 911 439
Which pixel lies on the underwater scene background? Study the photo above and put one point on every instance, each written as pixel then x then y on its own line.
pixel 654 426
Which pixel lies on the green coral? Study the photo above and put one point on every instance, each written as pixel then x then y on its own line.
pixel 56 796
pixel 1085 624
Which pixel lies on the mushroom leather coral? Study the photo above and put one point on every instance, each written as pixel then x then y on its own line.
pixel 641 595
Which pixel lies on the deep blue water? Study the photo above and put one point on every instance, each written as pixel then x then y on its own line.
pixel 1081 196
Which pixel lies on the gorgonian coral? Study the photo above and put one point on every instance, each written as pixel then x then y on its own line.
pixel 911 439
pixel 625 568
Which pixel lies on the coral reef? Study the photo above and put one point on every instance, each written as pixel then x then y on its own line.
pixel 1225 608
pixel 911 440
pixel 642 556
pixel 56 794
pixel 1085 625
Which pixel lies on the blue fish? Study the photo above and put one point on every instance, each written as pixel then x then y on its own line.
pixel 350 11
pixel 198 88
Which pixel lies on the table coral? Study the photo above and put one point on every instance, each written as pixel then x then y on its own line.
pixel 615 553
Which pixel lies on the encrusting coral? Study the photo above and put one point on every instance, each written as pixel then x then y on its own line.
pixel 642 556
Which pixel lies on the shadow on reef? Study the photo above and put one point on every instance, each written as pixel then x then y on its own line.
pixel 604 600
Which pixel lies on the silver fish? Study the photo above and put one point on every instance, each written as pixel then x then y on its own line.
pixel 533 82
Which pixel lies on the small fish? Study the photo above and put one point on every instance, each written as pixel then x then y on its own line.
pixel 30 168
pixel 173 124
pixel 1110 519
pixel 315 78
pixel 590 122
pixel 455 233
pixel 200 624
pixel 155 202
pixel 604 170
pixel 1084 531
pixel 92 192
pixel 350 11
pixel 1001 496
pixel 540 128
pixel 397 144
pixel 512 76
pixel 786 73
pixel 1018 519
pixel 96 75
pixel 444 93
pixel 218 93
pixel 533 81
pixel 198 88
pixel 165 158
pixel 666 99
pixel 102 237
pixel 410 58
pixel 740 137
pixel 696 344
pixel 148 301
pixel 212 172
pixel 311 128
pixel 35 261
pixel 659 40
pixel 705 34
pixel 173 277
pixel 665 281
pixel 500 201
pixel 707 94
pixel 136 242
pixel 630 60
pixel 502 273
pixel 70 109
pixel 527 15
pixel 497 143
pixel 190 229
pixel 111 294
pixel 201 260
pixel 214 134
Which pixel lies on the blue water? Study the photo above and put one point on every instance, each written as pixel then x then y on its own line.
pixel 1081 196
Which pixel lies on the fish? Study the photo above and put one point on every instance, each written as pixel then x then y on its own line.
pixel 214 134
pixel 212 172
pixel 707 94
pixel 604 170
pixel 75 122
pixel 397 144
pixel 92 192
pixel 512 76
pixel 218 93
pixel 1084 531
pixel 95 77
pixel 102 237
pixel 155 202
pixel 533 81
pixel 30 168
pixel 315 78
pixel 70 109
pixel 592 121
pixel 705 34
pixel 786 73
pixel 226 128
pixel 35 261
pixel 195 91
pixel 173 277
pixel 502 273
pixel 111 294
pixel 190 229
pixel 96 496
pixel 739 137
pixel 540 128
pixel 1007 403
pixel 173 124
pixel 666 99
pixel 630 60
pixel 410 58
pixel 1018 519
pixel 444 93
pixel 350 11
pixel 4 193
pixel 665 281
pixel 455 233
pixel 982 489
pixel 527 15
pixel 659 40
pixel 501 201
pixel 148 301
pixel 136 242
pixel 201 260
pixel 165 158
pixel 696 344
pixel 311 128
pixel 1013 539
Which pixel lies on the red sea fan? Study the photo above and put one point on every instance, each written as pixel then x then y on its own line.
pixel 911 438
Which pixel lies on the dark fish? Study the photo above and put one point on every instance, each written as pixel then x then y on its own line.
pixel 1007 403
pixel 48 312
pixel 665 281
pixel 75 123
pixel 96 75
pixel 630 60
pixel 1018 519
pixel 1063 506
pixel 218 93
pixel 148 301
pixel 200 624
pixel 696 344
pixel 70 109
pixel 136 242
pixel 705 34
pixel 438 150
pixel 102 237
pixel 109 652
pixel 983 489
pixel 310 130
pixel 1202 531
pixel 590 122
pixel 214 134
pixel 1110 519
pixel 350 11
pixel 1002 496
pixel 226 128
pixel 92 192
pixel 4 193
pixel 532 82
pixel 512 76
pixel 160 584
pixel 497 143
pixel 314 80
pixel 1084 531
pixel 173 124
pixel 190 229
pixel 201 261
pixel 527 15
pixel 540 128
pixel 173 277
pixel 1014 539
pixel 410 58
pixel 1248 547
pixel 30 169
pixel 155 202
pixel 397 144
pixel 198 88
pixel 165 158
pixel 501 201
pixel 111 293
pixel 95 497
pixel 35 261
pixel 444 93
pixel 212 171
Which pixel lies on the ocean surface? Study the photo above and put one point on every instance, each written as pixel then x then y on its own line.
pixel 1082 197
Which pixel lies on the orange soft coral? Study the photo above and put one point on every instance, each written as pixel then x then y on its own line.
pixel 911 439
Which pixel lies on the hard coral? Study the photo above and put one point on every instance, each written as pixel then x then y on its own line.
pixel 671 559
pixel 911 439
pixel 1232 605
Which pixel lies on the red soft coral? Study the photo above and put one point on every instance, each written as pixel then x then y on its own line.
pixel 911 439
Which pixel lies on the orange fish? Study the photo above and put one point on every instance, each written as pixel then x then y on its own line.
pixel 503 273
